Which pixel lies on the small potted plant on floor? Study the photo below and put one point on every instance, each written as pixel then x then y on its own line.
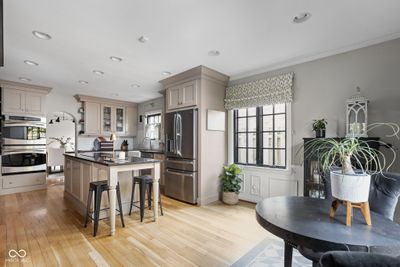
pixel 319 127
pixel 230 182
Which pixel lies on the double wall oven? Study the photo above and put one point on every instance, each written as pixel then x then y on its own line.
pixel 23 145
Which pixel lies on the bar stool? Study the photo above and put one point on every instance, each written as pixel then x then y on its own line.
pixel 98 188
pixel 145 183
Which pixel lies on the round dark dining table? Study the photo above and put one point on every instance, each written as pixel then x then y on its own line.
pixel 305 221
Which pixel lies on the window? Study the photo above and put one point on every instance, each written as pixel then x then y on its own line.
pixel 260 136
pixel 153 126
pixel 154 118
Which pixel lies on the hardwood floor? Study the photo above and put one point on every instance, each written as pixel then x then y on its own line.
pixel 40 223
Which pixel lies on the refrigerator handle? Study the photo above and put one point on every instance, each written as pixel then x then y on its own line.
pixel 174 137
pixel 179 135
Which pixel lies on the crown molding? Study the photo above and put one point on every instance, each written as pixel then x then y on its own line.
pixel 315 56
pixel 25 86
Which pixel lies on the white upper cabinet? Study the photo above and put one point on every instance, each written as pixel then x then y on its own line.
pixel 19 100
pixel 112 119
pixel 120 116
pixel 131 121
pixel 189 94
pixel 13 101
pixel 182 96
pixel 92 118
pixel 105 116
pixel 35 103
pixel 106 119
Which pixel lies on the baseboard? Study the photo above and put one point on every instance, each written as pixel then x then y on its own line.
pixel 22 189
pixel 209 199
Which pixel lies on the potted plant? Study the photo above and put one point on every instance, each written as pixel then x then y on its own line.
pixel 124 145
pixel 351 161
pixel 319 127
pixel 230 182
pixel 61 141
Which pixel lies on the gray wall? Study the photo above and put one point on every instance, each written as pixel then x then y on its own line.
pixel 322 86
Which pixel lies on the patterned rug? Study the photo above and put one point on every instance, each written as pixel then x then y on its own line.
pixel 269 253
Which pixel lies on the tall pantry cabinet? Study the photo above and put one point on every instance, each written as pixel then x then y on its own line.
pixel 204 89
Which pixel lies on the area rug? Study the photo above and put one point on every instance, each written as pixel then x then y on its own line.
pixel 269 252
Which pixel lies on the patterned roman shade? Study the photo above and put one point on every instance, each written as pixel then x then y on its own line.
pixel 268 91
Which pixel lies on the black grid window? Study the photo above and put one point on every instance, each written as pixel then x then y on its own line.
pixel 154 118
pixel 260 136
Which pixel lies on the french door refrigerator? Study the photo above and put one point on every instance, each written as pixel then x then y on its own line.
pixel 181 155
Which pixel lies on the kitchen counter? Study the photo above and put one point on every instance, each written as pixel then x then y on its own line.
pixel 83 168
pixel 151 151
pixel 109 158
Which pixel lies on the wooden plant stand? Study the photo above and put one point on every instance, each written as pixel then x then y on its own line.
pixel 364 207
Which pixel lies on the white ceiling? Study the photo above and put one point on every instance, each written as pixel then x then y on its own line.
pixel 250 34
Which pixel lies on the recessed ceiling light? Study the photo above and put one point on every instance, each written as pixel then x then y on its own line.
pixel 116 59
pixel 301 17
pixel 24 79
pixel 98 72
pixel 143 39
pixel 83 82
pixel 41 35
pixel 135 85
pixel 31 63
pixel 214 53
pixel 166 73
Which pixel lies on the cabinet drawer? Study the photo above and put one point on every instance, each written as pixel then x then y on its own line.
pixel 31 179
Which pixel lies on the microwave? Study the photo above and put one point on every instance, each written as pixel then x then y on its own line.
pixel 18 130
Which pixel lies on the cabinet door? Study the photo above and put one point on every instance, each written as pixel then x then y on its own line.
pixel 86 179
pixel 106 119
pixel 35 104
pixel 188 94
pixel 119 121
pixel 13 101
pixel 76 179
pixel 92 118
pixel 161 157
pixel 68 175
pixel 131 121
pixel 173 97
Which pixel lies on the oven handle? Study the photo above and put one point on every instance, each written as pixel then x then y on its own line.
pixel 14 152
pixel 27 124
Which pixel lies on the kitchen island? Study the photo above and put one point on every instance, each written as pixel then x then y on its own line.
pixel 83 168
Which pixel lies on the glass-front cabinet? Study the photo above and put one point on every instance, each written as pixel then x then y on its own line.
pixel 106 119
pixel 120 120
pixel 112 119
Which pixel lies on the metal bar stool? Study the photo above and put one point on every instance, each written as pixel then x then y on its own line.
pixel 145 183
pixel 98 188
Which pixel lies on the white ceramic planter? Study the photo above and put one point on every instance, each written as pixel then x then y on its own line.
pixel 230 198
pixel 350 187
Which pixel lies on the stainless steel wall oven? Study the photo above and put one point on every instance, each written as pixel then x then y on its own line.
pixel 23 145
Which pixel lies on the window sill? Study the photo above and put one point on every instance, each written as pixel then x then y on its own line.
pixel 287 171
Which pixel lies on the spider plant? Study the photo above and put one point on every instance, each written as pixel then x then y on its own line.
pixel 352 152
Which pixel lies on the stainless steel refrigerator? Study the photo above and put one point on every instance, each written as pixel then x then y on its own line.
pixel 181 155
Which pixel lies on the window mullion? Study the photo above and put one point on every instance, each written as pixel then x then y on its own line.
pixel 259 136
pixel 273 136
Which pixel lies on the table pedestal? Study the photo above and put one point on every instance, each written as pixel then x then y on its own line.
pixel 364 207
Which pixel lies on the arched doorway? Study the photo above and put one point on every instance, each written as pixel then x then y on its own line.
pixel 61 136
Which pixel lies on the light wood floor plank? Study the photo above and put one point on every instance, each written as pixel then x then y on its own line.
pixel 42 223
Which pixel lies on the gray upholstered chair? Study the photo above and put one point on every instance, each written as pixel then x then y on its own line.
pixel 351 259
pixel 383 197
